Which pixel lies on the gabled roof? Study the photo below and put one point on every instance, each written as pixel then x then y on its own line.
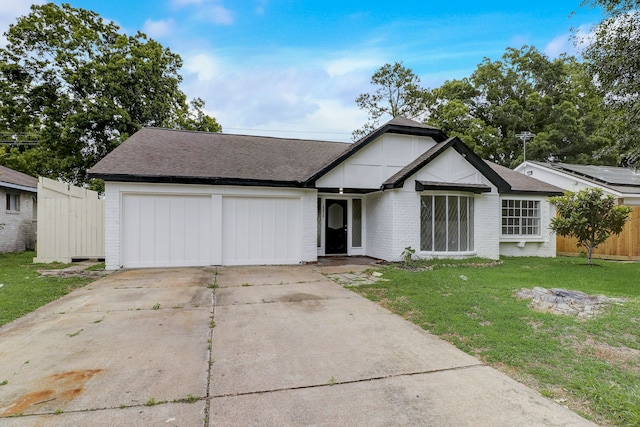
pixel 506 180
pixel 623 180
pixel 174 156
pixel 397 180
pixel 164 155
pixel 20 181
pixel 397 125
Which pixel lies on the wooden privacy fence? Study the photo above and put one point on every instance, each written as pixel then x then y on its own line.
pixel 70 223
pixel 625 246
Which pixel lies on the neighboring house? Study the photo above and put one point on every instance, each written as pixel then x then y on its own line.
pixel 621 183
pixel 18 212
pixel 179 198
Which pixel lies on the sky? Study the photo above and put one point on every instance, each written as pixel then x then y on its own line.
pixel 292 68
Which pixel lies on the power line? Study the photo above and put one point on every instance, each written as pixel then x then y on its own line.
pixel 290 131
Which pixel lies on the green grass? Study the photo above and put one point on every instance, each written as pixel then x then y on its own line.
pixel 24 289
pixel 592 365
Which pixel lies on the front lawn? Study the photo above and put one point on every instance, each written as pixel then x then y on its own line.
pixel 590 365
pixel 23 289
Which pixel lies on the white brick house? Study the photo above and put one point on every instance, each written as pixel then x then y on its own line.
pixel 18 193
pixel 177 198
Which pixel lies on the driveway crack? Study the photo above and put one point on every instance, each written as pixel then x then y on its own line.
pixel 207 408
pixel 363 380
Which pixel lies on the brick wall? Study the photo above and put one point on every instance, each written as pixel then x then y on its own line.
pixel 406 222
pixel 19 230
pixel 379 225
pixel 487 225
pixel 309 226
pixel 112 226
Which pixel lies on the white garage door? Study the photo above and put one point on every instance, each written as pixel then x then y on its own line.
pixel 259 231
pixel 166 230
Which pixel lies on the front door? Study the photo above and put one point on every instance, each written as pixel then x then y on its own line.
pixel 336 228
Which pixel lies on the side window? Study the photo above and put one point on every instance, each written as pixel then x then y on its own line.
pixel 13 202
pixel 520 217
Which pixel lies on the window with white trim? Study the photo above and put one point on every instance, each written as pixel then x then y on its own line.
pixel 13 202
pixel 446 223
pixel 520 217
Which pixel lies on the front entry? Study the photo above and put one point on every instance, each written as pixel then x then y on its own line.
pixel 336 228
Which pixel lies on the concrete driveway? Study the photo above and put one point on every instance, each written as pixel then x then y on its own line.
pixel 102 352
pixel 288 347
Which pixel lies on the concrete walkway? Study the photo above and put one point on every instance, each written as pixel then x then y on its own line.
pixel 282 346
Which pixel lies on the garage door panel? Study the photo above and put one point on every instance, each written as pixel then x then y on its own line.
pixel 260 231
pixel 166 230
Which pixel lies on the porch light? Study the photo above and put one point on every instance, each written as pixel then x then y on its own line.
pixel 341 192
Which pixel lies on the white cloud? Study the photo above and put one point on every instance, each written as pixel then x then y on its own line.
pixel 203 66
pixel 267 96
pixel 350 63
pixel 559 45
pixel 261 7
pixel 183 3
pixel 221 15
pixel 10 11
pixel 571 44
pixel 158 29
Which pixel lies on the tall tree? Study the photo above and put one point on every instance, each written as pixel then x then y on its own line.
pixel 612 55
pixel 398 93
pixel 589 216
pixel 83 87
pixel 525 91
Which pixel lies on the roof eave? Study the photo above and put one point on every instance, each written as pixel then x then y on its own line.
pixel 196 180
pixel 535 192
pixel 19 187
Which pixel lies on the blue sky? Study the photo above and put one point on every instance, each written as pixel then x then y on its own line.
pixel 294 68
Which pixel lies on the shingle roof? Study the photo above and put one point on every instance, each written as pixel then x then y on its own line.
pixel 521 183
pixel 14 179
pixel 163 155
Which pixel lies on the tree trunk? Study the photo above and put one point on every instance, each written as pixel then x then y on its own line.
pixel 589 252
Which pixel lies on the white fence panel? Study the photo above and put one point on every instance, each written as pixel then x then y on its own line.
pixel 70 223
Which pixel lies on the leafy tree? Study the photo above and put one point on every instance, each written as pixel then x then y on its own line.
pixel 589 217
pixel 613 60
pixel 83 87
pixel 525 90
pixel 613 6
pixel 398 93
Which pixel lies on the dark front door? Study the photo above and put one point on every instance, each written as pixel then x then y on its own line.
pixel 336 229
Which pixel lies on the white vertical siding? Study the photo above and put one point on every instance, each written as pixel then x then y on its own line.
pixel 248 225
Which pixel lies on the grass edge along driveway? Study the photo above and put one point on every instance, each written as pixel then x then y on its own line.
pixel 23 289
pixel 590 365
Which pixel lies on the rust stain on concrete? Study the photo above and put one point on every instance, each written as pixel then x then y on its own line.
pixel 57 388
